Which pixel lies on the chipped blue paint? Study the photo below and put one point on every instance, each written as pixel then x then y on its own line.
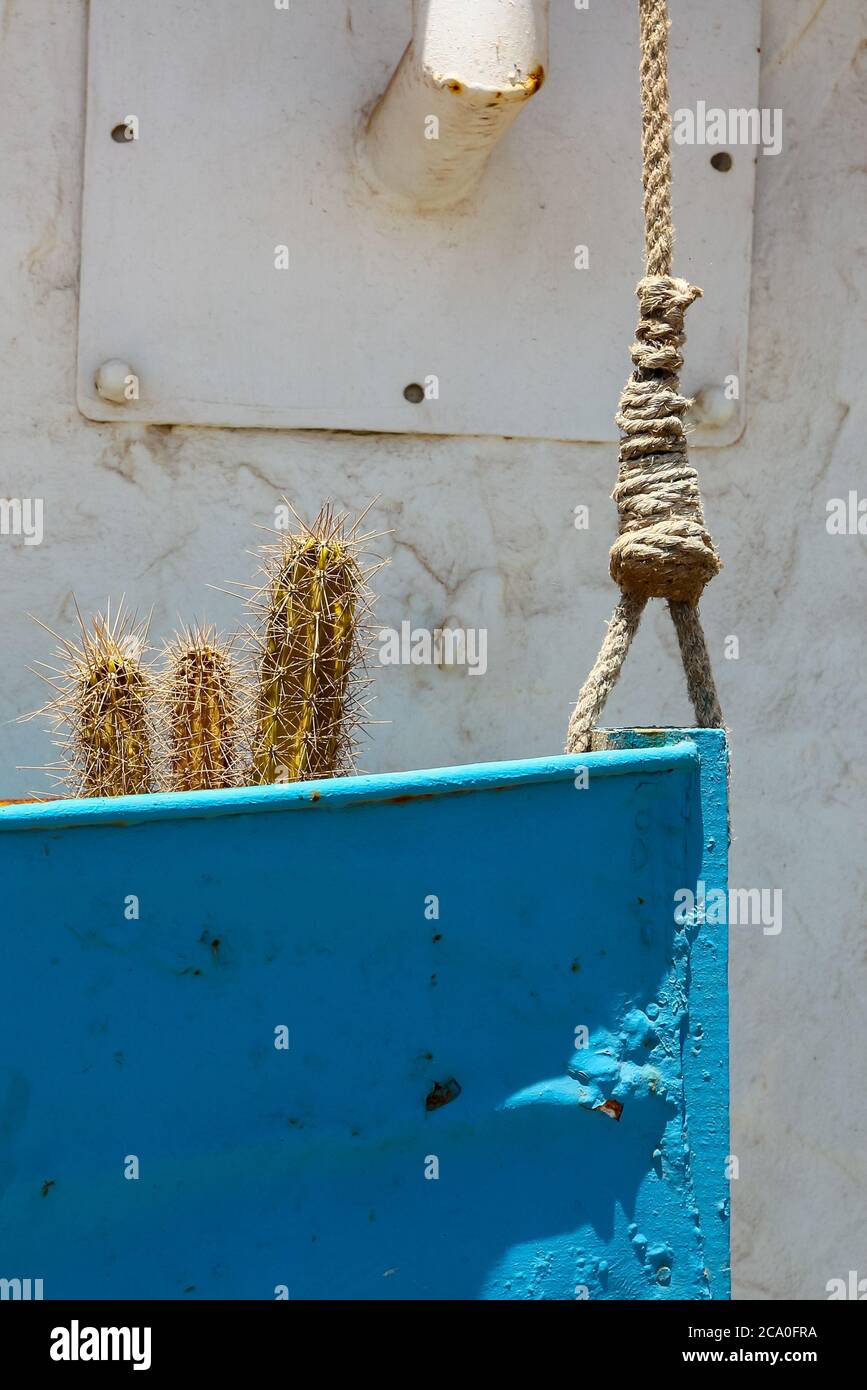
pixel 414 1043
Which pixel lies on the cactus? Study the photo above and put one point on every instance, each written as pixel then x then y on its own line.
pixel 310 644
pixel 101 710
pixel 200 704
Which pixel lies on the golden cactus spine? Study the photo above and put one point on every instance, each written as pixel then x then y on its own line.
pixel 310 646
pixel 200 703
pixel 102 708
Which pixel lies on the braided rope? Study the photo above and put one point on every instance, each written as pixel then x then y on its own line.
pixel 655 136
pixel 663 549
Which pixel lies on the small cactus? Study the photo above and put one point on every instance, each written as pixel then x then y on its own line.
pixel 101 710
pixel 310 644
pixel 200 704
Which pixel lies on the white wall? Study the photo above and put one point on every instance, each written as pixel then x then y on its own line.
pixel 483 536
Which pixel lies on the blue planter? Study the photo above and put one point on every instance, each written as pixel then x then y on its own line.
pixel 430 946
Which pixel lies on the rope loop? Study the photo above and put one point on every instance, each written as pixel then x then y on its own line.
pixel 663 549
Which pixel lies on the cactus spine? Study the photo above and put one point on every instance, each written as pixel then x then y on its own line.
pixel 101 711
pixel 200 706
pixel 310 645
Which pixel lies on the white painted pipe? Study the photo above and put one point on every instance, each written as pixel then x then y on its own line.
pixel 469 68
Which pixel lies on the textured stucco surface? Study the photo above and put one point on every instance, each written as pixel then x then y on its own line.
pixel 483 536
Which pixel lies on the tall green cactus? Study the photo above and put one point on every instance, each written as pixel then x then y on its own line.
pixel 200 706
pixel 101 712
pixel 310 642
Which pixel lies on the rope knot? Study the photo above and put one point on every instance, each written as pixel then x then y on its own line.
pixel 663 549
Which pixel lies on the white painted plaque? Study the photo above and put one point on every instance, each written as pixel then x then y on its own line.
pixel 247 120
